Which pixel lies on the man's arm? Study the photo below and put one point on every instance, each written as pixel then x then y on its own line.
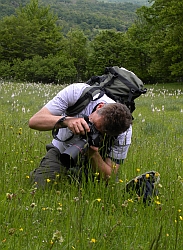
pixel 105 168
pixel 43 120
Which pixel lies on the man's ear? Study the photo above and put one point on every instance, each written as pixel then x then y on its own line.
pixel 100 105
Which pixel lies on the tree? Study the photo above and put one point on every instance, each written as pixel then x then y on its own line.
pixel 32 31
pixel 107 49
pixel 165 19
pixel 77 44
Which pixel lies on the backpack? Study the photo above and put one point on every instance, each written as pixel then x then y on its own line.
pixel 117 83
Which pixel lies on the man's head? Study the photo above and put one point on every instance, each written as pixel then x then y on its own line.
pixel 112 118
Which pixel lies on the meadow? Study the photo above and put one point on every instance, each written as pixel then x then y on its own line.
pixel 90 215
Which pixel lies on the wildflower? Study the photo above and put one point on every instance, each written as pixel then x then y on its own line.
pixel 20 131
pixel 10 196
pixel 23 109
pixel 179 210
pixel 99 200
pixel 147 175
pixel 167 235
pixel 21 229
pixel 181 218
pixel 59 209
pixel 57 237
pixel 93 240
pixel 27 176
pixel 138 169
pixel 130 200
pixel 33 205
pixel 157 174
pixel 48 180
pixel 120 180
pixel 158 202
pixel 96 174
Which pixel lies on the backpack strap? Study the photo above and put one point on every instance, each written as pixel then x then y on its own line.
pixel 85 99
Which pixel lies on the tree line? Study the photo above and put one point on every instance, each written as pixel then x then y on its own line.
pixel 33 46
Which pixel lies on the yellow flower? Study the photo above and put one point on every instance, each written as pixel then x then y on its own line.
pixel 157 174
pixel 48 180
pixel 21 229
pixel 167 235
pixel 180 217
pixel 147 175
pixel 130 200
pixel 99 200
pixel 27 177
pixel 120 180
pixel 158 202
pixel 138 169
pixel 93 240
pixel 96 174
pixel 179 210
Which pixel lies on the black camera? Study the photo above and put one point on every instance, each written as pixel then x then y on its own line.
pixel 73 153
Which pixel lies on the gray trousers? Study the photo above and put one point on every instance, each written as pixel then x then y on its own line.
pixel 50 167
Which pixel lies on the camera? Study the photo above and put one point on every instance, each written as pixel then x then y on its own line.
pixel 72 154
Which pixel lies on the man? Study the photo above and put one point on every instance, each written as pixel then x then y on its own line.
pixel 112 120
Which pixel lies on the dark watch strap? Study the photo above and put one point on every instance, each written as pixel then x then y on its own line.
pixel 55 129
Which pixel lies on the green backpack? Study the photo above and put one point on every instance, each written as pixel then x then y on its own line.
pixel 117 83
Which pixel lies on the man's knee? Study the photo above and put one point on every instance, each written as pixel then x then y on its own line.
pixel 49 168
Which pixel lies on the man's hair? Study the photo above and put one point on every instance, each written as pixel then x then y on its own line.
pixel 117 118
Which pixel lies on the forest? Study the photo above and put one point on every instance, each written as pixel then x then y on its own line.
pixel 40 44
pixel 88 15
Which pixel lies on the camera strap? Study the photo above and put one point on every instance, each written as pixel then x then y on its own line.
pixel 56 130
pixel 55 133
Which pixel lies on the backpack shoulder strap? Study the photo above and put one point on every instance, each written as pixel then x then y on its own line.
pixel 87 96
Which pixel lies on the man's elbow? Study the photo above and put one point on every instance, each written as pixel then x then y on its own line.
pixel 31 123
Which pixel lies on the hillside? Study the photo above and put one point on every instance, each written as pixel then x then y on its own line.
pixel 89 15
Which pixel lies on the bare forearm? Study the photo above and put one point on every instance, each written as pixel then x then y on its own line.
pixel 43 123
pixel 100 165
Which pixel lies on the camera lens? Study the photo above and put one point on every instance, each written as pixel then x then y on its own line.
pixel 70 156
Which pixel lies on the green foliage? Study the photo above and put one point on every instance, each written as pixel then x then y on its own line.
pixel 107 49
pixel 165 43
pixel 87 15
pixel 92 37
pixel 77 50
pixel 31 32
pixel 91 215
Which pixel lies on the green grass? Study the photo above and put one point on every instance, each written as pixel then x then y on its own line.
pixel 91 216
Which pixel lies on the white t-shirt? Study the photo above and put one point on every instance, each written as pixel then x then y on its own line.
pixel 68 97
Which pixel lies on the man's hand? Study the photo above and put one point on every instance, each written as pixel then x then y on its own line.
pixel 77 125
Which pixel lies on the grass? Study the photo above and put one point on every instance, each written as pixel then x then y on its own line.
pixel 91 216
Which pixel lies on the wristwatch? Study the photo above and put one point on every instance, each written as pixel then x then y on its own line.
pixel 61 120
